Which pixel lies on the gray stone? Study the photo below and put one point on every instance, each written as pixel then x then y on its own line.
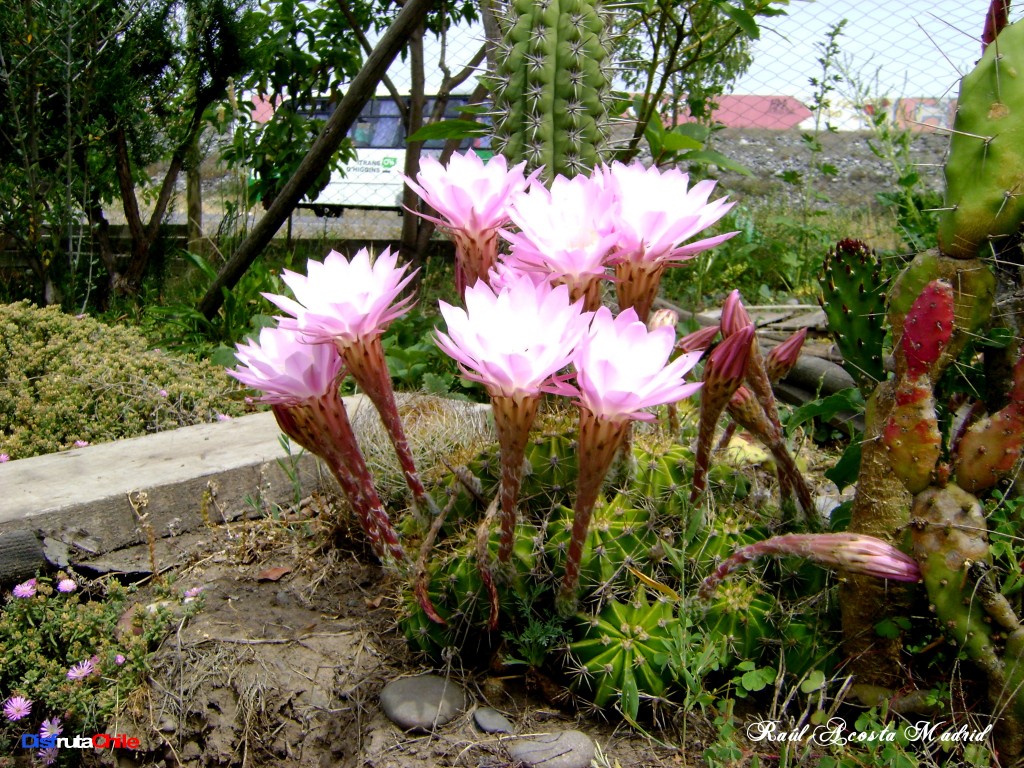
pixel 565 749
pixel 490 720
pixel 423 702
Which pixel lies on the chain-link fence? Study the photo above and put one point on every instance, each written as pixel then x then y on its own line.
pixel 903 58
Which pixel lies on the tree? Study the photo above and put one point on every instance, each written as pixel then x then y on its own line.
pixel 679 55
pixel 95 91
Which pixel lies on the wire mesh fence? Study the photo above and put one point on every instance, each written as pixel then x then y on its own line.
pixel 904 59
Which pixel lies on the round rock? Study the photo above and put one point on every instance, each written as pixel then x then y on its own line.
pixel 490 720
pixel 565 749
pixel 423 702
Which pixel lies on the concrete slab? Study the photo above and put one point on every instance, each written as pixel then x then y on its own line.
pixel 96 498
pixel 109 496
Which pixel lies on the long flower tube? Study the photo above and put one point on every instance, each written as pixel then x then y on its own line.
pixel 851 552
pixel 622 368
pixel 350 303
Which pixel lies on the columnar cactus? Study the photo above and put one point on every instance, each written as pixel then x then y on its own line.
pixel 552 86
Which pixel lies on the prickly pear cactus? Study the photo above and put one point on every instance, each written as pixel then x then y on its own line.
pixel 985 167
pixel 621 652
pixel 552 85
pixel 853 297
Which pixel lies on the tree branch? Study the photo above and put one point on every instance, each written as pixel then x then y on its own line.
pixel 334 131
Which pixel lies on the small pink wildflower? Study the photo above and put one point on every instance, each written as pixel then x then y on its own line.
pixel 223 417
pixel 81 670
pixel 17 707
pixel 25 589
pixel 81 443
pixel 4 458
pixel 66 585
pixel 162 393
pixel 51 727
pixel 194 592
pixel 119 659
pixel 48 756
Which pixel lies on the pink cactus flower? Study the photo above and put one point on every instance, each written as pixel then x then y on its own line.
pixel 286 368
pixel 622 368
pixel 341 300
pixel 565 234
pixel 513 341
pixel 656 212
pixel 470 197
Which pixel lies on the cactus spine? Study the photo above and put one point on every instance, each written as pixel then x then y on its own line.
pixel 853 299
pixel 552 85
pixel 985 169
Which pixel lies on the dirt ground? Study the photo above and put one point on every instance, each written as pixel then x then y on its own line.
pixel 284 664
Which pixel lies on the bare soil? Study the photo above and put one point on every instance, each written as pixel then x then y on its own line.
pixel 284 664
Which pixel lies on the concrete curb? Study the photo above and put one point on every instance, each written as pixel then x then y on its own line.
pixel 92 498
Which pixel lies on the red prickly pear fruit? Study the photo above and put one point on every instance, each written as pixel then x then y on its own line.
pixel 990 449
pixel 912 434
pixel 927 328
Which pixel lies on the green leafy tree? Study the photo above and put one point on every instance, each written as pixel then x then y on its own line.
pixel 94 91
pixel 678 56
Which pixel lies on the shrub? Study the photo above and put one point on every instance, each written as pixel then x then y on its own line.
pixel 65 379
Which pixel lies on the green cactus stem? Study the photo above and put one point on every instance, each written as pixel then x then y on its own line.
pixel 622 653
pixel 985 166
pixel 853 298
pixel 552 86
pixel 949 540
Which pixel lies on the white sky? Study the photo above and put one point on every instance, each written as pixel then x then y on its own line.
pixel 916 47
